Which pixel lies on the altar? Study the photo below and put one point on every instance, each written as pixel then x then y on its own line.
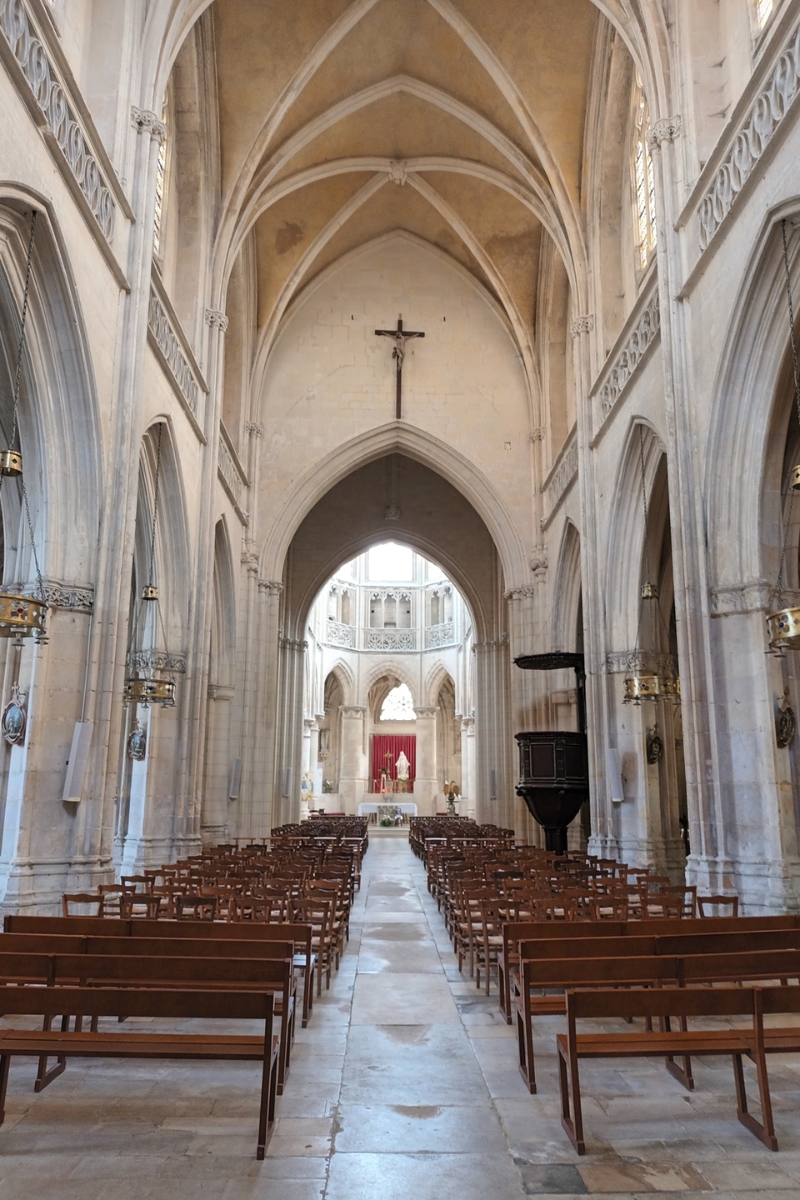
pixel 369 808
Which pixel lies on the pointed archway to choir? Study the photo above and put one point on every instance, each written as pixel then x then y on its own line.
pixel 429 514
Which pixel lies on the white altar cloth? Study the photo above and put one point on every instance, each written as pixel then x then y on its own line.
pixel 367 808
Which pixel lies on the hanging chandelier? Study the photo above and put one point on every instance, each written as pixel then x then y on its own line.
pixel 150 672
pixel 643 684
pixel 22 616
pixel 783 624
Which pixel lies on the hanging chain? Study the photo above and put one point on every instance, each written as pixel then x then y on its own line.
pixel 777 594
pixel 40 584
pixel 155 505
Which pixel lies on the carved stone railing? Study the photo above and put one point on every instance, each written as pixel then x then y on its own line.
pixel 173 355
pixel 156 660
pixel 621 367
pixel 231 473
pixel 564 471
pixel 440 635
pixel 621 662
pixel 390 639
pixel 755 132
pixel 340 635
pixel 58 114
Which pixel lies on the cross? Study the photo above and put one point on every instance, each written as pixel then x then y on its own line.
pixel 400 336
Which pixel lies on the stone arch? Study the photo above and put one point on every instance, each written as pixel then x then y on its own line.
pixel 395 672
pixel 568 583
pixel 749 422
pixel 434 679
pixel 223 634
pixel 346 680
pixel 58 400
pixel 626 536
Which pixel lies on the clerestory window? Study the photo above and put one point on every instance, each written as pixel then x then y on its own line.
pixel 644 180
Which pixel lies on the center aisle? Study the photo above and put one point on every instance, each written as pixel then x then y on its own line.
pixel 429 1066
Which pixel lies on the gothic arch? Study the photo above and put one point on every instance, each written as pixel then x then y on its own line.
pixel 58 401
pixel 567 594
pixel 436 676
pixel 223 639
pixel 172 549
pixel 748 423
pixel 346 680
pixel 395 670
pixel 627 533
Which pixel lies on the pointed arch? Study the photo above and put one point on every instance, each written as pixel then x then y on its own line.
pixel 626 537
pixel 567 595
pixel 344 675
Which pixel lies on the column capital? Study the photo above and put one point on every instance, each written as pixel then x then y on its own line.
pixel 216 319
pixel 521 593
pixel 582 325
pixel 426 710
pixel 293 644
pixel 310 724
pixel 352 711
pixel 273 587
pixel 668 129
pixel 147 122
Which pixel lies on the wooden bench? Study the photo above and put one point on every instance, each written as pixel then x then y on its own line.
pixel 103 970
pixel 663 1003
pixel 94 1003
pixel 209 933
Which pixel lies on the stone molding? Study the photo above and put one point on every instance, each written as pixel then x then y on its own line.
pixel 426 711
pixel 390 639
pixel 272 587
pixel 582 325
pixel 353 712
pixel 59 116
pixel 255 429
pixel 75 597
pixel 171 353
pixel 539 560
pixel 339 635
pixel 221 691
pixel 625 365
pixel 157 660
pixel 293 644
pixel 437 636
pixel 668 129
pixel 754 596
pixel 521 593
pixel 756 131
pixel 645 662
pixel 493 644
pixel 216 320
pixel 144 121
pixel 563 473
pixel 536 435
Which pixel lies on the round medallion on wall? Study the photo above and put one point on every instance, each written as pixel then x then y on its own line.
pixel 15 719
pixel 137 743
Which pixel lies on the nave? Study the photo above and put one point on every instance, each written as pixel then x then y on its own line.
pixel 404 1083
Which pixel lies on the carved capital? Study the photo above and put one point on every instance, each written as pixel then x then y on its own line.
pixel 521 593
pixel 539 561
pixel 426 711
pixel 536 435
pixel 665 130
pixel 353 712
pixel 216 320
pixel 254 429
pixel 272 587
pixel 581 325
pixel 147 122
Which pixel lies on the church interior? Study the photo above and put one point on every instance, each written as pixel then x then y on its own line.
pixel 400 600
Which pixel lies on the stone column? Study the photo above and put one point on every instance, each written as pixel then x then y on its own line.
pixel 426 784
pixel 218 763
pixel 494 777
pixel 467 806
pixel 353 777
pixel 260 744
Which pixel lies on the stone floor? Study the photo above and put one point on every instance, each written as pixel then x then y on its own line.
pixel 404 1085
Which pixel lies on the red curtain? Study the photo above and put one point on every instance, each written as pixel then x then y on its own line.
pixel 383 743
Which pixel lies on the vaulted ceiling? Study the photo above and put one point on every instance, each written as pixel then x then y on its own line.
pixel 458 121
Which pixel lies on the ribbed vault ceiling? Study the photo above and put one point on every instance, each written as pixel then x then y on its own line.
pixel 458 121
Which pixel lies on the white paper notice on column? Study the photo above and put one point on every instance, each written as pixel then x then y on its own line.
pixel 78 760
pixel 614 777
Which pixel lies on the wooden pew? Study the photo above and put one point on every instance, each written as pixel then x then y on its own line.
pixel 662 1003
pixel 123 970
pixel 206 931
pixel 94 1003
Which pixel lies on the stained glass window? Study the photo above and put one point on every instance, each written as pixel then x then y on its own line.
pixel 161 177
pixel 398 705
pixel 763 12
pixel 644 180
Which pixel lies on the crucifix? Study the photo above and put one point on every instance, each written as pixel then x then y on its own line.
pixel 401 336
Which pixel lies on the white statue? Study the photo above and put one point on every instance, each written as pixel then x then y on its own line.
pixel 402 766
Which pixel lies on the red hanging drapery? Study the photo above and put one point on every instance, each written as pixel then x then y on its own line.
pixel 393 743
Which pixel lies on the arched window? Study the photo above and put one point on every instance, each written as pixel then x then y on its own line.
pixel 161 184
pixel 644 182
pixel 762 11
pixel 398 705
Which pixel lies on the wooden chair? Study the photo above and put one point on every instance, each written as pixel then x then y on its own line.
pixel 82 899
pixel 716 906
